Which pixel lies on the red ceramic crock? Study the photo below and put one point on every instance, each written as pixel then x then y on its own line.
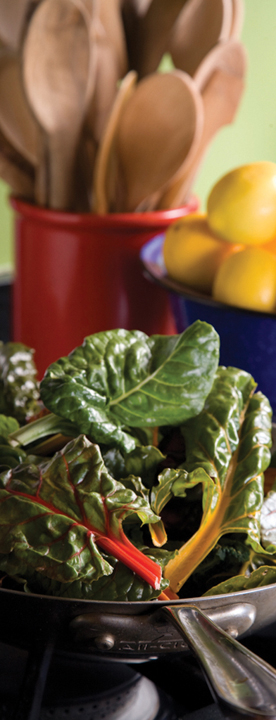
pixel 78 274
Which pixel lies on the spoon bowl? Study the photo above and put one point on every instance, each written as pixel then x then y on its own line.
pixel 220 80
pixel 158 128
pixel 56 67
pixel 200 25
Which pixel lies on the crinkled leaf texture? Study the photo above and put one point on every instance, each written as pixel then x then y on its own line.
pixel 19 387
pixel 227 448
pixel 264 575
pixel 123 378
pixel 55 517
pixel 121 585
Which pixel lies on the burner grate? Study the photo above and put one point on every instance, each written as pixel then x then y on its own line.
pixel 140 701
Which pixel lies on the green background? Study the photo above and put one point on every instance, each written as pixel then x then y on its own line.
pixel 251 137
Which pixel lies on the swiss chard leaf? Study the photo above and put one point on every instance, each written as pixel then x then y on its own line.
pixel 229 442
pixel 268 519
pixel 19 387
pixel 121 585
pixel 122 378
pixel 7 425
pixel 264 575
pixel 55 517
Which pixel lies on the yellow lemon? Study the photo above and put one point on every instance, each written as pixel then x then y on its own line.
pixel 192 253
pixel 241 207
pixel 270 246
pixel 247 279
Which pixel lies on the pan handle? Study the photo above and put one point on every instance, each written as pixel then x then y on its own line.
pixel 243 684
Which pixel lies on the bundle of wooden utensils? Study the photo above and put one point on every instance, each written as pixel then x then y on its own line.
pixel 90 118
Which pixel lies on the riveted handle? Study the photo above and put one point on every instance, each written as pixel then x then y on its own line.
pixel 243 684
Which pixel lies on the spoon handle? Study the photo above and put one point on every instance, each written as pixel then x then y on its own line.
pixel 61 157
pixel 243 684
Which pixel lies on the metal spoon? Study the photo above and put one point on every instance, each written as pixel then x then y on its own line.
pixel 56 67
pixel 158 129
pixel 220 79
pixel 200 25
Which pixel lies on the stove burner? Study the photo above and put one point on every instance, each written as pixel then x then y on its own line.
pixel 79 688
pixel 138 699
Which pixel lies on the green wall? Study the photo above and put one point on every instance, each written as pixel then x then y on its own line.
pixel 251 137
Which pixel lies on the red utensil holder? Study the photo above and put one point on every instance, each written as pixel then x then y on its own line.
pixel 78 274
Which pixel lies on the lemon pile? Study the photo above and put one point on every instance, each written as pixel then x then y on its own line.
pixel 229 252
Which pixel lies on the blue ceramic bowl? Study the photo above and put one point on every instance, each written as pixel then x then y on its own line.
pixel 247 337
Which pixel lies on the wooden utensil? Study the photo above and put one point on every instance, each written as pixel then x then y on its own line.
pixel 16 120
pixel 141 6
pixel 106 182
pixel 157 131
pixel 200 25
pixel 58 80
pixel 148 33
pixel 12 21
pixel 220 79
pixel 15 171
pixel 237 19
pixel 106 31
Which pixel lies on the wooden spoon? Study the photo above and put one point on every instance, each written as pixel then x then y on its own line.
pixel 108 34
pixel 157 131
pixel 200 25
pixel 16 120
pixel 220 79
pixel 56 67
pixel 148 33
pixel 12 21
pixel 15 171
pixel 141 6
pixel 106 183
pixel 237 19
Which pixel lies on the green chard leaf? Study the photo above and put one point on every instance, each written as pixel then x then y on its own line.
pixel 55 518
pixel 19 387
pixel 121 585
pixel 227 448
pixel 119 379
pixel 264 575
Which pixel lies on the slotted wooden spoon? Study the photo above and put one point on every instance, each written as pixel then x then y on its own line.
pixel 58 81
pixel 200 25
pixel 220 79
pixel 158 128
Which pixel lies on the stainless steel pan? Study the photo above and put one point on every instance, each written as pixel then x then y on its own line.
pixel 136 631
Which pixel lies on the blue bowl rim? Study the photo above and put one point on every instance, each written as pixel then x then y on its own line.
pixel 154 269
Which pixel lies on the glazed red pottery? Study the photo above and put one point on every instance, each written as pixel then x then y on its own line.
pixel 78 274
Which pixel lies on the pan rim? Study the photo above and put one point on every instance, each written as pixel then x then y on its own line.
pixel 235 596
